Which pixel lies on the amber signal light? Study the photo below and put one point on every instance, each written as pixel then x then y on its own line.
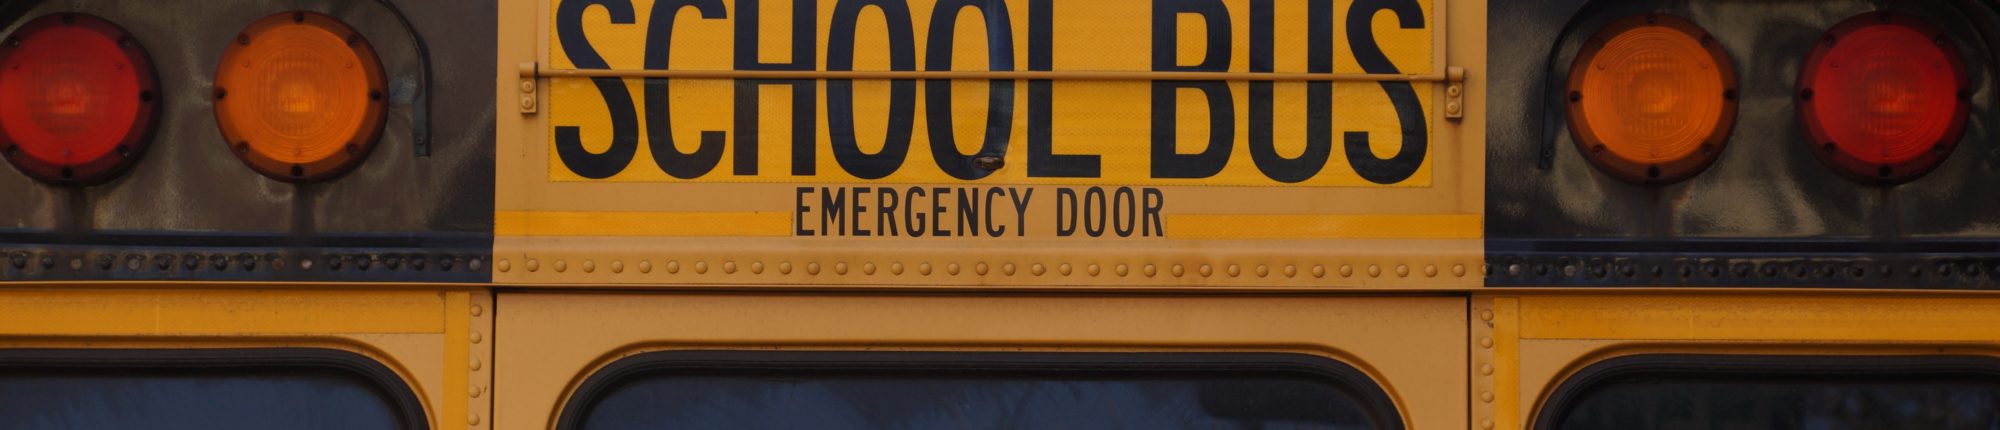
pixel 1883 98
pixel 299 96
pixel 1651 99
pixel 77 99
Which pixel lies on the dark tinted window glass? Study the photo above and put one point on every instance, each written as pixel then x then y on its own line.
pixel 942 398
pixel 1782 399
pixel 306 398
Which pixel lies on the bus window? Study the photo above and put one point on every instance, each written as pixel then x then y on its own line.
pixel 1813 392
pixel 971 391
pixel 194 389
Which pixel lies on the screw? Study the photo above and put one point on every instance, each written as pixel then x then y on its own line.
pixel 988 163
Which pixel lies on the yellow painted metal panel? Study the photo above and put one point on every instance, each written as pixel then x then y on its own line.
pixel 1562 332
pixel 553 341
pixel 642 224
pixel 1327 226
pixel 457 352
pixel 1791 317
pixel 101 312
pixel 404 329
pixel 556 226
pixel 1506 362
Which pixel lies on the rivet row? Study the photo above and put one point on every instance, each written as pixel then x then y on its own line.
pixel 24 262
pixel 1009 269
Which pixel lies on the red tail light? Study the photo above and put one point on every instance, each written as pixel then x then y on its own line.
pixel 1883 97
pixel 76 99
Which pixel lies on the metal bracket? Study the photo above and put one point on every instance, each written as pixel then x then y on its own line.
pixel 1454 93
pixel 530 72
pixel 420 114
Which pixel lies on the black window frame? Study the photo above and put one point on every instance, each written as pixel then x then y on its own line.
pixel 1372 398
pixel 403 400
pixel 1821 367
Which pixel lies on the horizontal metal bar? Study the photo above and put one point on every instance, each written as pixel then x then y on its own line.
pixel 531 72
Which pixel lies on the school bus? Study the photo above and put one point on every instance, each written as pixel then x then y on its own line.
pixel 1344 214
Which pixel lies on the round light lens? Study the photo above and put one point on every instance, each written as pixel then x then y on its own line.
pixel 76 99
pixel 1883 98
pixel 1652 99
pixel 299 96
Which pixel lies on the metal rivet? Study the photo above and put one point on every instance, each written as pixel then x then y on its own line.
pixel 1402 270
pixel 1458 270
pixel 757 267
pixel 474 363
pixel 1291 271
pixel 561 266
pixel 840 268
pixel 700 267
pixel 534 265
pixel 1485 342
pixel 1485 369
pixel 472 419
pixel 895 268
pixel 1486 424
pixel 924 269
pixel 728 267
pixel 476 337
pixel 476 310
pixel 1485 314
pixel 1374 271
pixel 1263 271
pixel 1037 269
pixel 1093 269
pixel 979 269
pixel 1007 269
pixel 1319 271
pixel 867 268
pixel 475 391
pixel 1431 271
pixel 503 265
pixel 1121 270
pixel 812 268
pixel 617 266
pixel 1207 271
pixel 527 85
pixel 1150 270
pixel 673 266
pixel 645 266
pixel 1346 271
pixel 1486 396
pixel 589 266
pixel 951 269
pixel 1065 269
pixel 1178 270
pixel 785 268
pixel 1235 271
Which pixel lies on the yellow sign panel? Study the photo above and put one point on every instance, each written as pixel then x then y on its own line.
pixel 1256 93
pixel 1130 143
